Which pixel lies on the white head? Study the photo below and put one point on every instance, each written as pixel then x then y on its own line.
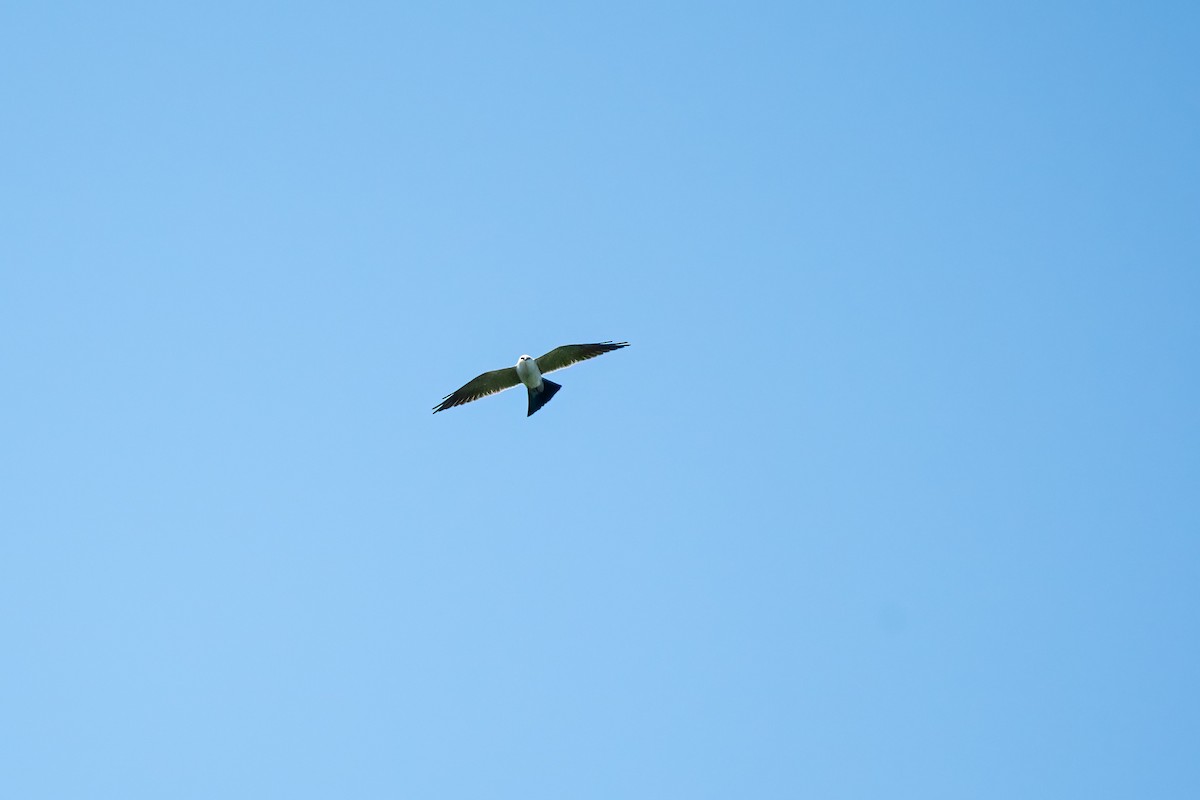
pixel 527 371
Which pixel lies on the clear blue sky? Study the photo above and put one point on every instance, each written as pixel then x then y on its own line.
pixel 894 495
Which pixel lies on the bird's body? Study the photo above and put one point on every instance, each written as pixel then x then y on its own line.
pixel 540 389
pixel 528 371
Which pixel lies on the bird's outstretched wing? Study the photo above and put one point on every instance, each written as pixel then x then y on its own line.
pixel 488 383
pixel 568 354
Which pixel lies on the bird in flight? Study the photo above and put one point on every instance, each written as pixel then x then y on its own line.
pixel 528 371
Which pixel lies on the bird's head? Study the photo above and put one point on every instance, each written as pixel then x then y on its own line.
pixel 524 358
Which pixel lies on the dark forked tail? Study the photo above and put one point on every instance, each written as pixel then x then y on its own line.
pixel 540 396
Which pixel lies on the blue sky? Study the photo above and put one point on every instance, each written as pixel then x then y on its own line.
pixel 893 495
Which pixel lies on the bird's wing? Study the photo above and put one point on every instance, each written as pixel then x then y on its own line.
pixel 488 383
pixel 568 354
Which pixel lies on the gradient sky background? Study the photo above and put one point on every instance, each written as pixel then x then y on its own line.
pixel 894 495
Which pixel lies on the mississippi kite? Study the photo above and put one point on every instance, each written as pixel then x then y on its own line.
pixel 528 371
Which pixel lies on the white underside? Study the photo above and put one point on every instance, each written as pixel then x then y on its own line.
pixel 529 374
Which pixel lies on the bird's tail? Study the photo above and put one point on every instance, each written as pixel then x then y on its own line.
pixel 540 396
